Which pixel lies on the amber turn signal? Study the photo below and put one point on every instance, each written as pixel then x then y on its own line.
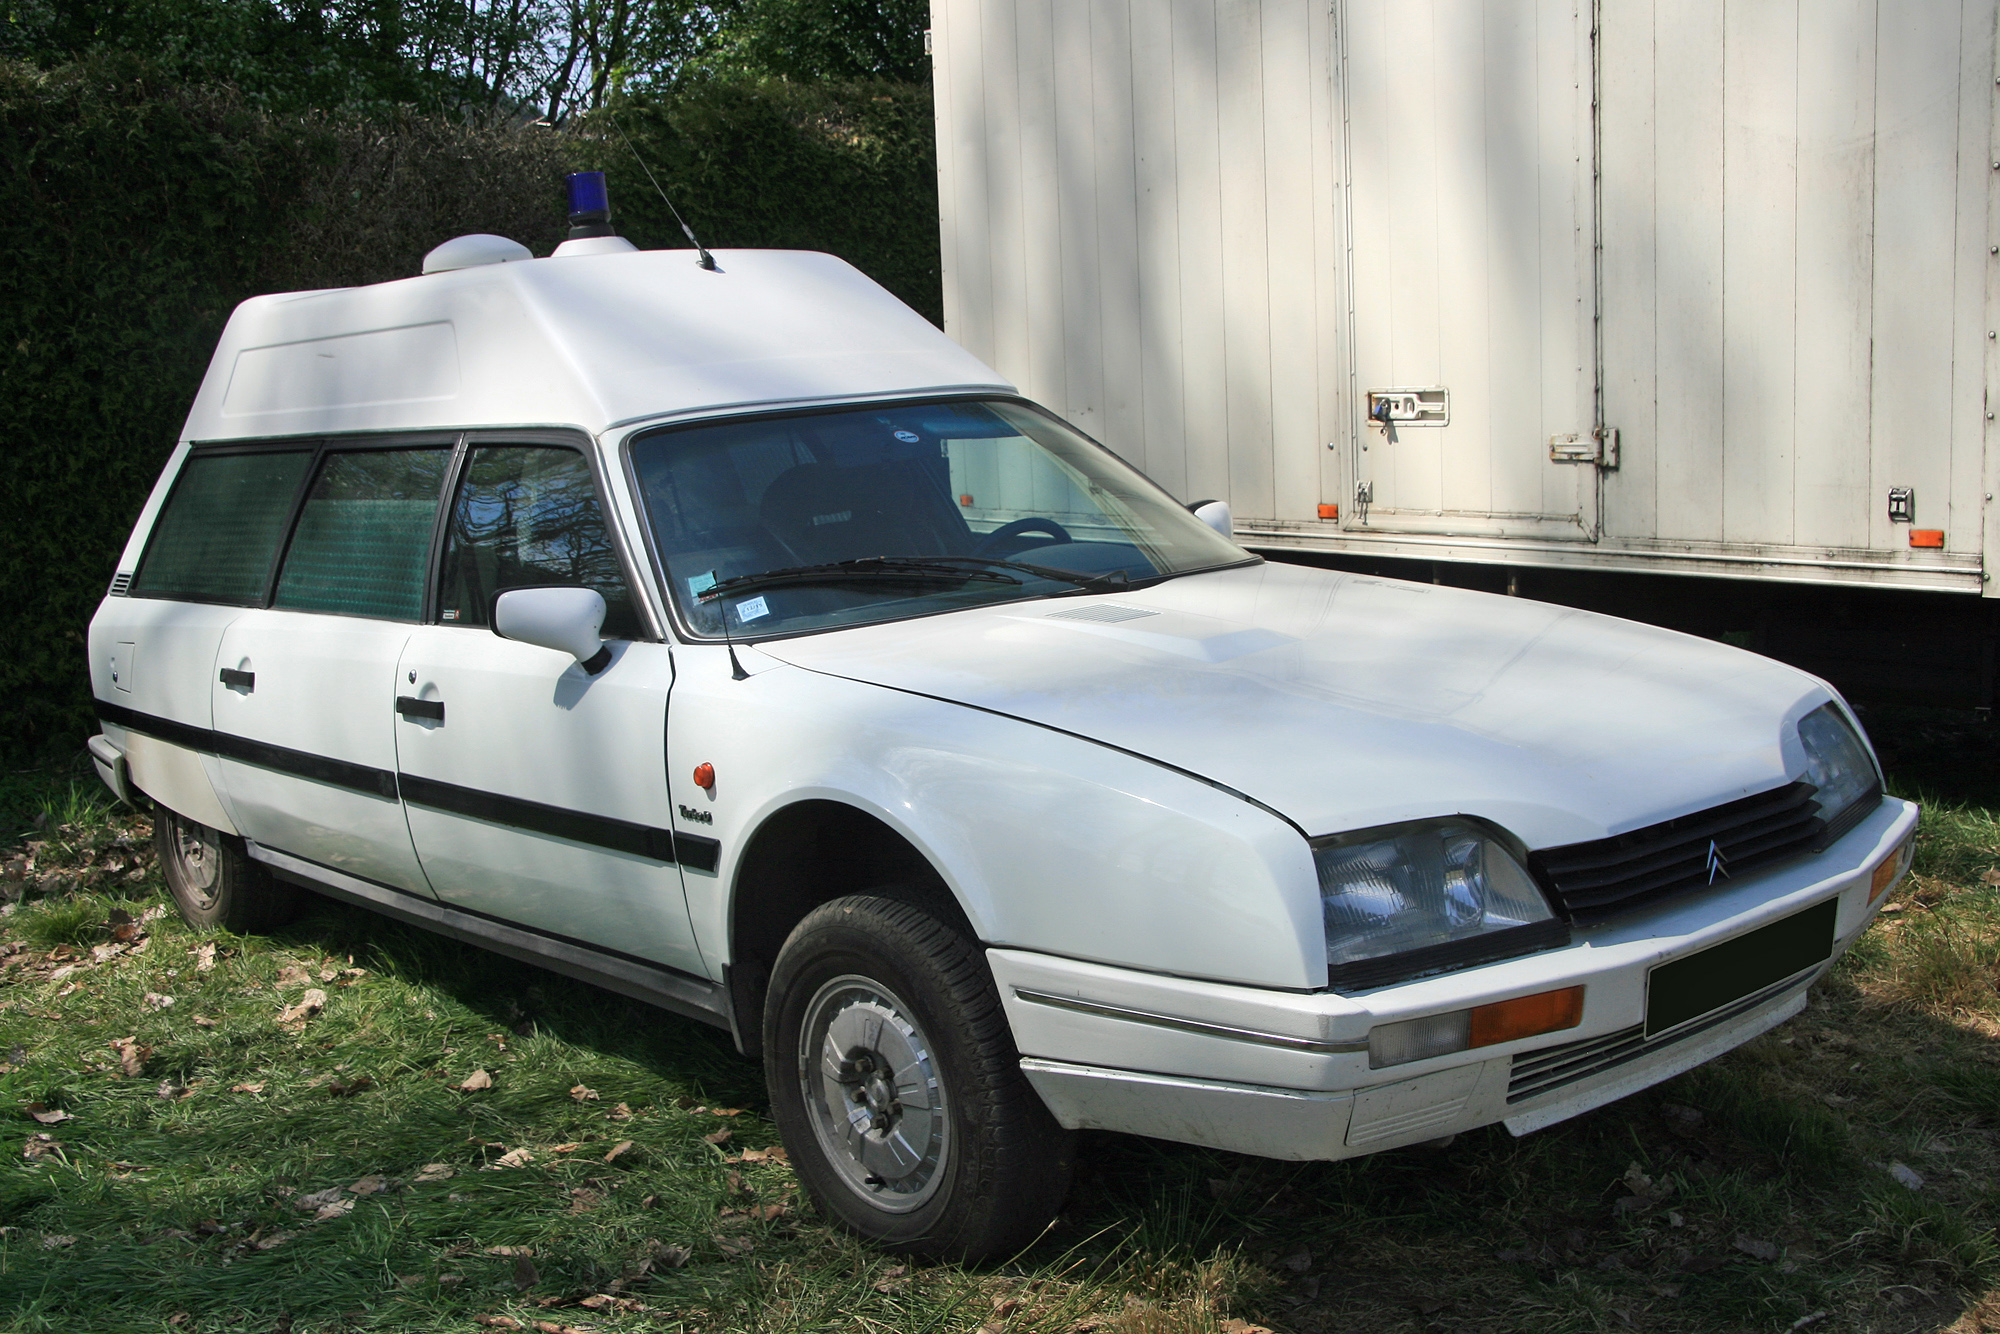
pixel 1889 871
pixel 704 776
pixel 1525 1016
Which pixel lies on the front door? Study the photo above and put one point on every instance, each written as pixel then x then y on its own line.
pixel 537 792
pixel 1471 295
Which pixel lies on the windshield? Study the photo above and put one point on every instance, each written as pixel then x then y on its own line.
pixel 870 514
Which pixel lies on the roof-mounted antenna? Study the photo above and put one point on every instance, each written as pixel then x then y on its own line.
pixel 707 261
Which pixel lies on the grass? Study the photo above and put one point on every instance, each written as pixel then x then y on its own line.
pixel 211 1165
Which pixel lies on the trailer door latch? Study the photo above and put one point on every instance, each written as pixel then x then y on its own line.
pixel 1599 446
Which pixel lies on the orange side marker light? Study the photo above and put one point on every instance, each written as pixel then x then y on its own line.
pixel 1329 511
pixel 704 776
pixel 1927 537
pixel 1891 868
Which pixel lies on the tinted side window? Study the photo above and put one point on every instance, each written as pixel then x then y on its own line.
pixel 527 515
pixel 364 537
pixel 220 527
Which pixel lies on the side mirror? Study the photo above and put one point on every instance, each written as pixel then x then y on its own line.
pixel 568 619
pixel 1214 513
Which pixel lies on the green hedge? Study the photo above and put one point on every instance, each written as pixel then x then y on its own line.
pixel 135 214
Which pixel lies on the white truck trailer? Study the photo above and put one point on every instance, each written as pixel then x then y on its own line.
pixel 1671 287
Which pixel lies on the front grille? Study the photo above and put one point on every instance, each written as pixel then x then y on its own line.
pixel 1534 1073
pixel 1600 879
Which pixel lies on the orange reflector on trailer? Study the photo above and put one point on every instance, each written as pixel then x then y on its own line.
pixel 1525 1016
pixel 1927 537
pixel 965 502
pixel 1329 511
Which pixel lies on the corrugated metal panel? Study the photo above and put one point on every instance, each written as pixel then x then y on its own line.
pixel 1148 224
pixel 1139 213
pixel 1793 201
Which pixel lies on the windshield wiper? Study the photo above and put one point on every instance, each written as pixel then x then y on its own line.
pixel 893 569
pixel 1116 581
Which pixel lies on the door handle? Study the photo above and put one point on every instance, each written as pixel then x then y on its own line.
pixel 232 677
pixel 411 707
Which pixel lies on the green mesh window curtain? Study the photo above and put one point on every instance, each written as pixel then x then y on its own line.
pixel 364 535
pixel 220 527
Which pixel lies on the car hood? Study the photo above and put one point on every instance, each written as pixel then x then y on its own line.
pixel 1343 702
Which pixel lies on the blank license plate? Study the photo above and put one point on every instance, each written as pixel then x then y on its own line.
pixel 1689 988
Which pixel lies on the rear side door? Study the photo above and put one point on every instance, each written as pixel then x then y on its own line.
pixel 304 689
pixel 536 792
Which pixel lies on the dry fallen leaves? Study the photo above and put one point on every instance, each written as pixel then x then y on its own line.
pixel 204 958
pixel 41 1146
pixel 775 1154
pixel 291 975
pixel 1757 1247
pixel 318 1200
pixel 582 1094
pixel 156 1001
pixel 497 1322
pixel 45 1115
pixel 368 1185
pixel 511 1158
pixel 203 1021
pixel 132 1055
pixel 247 1088
pixel 718 1137
pixel 476 1081
pixel 617 1149
pixel 433 1172
pixel 309 1005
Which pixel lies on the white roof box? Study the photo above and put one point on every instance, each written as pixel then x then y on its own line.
pixel 592 341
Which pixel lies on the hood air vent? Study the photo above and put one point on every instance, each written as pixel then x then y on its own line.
pixel 1104 613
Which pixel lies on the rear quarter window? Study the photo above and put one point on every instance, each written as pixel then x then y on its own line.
pixel 220 527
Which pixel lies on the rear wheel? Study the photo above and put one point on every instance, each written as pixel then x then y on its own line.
pixel 214 882
pixel 896 1085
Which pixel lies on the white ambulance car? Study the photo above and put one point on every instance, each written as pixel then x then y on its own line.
pixel 734 640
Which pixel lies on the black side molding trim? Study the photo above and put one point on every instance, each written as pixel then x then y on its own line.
pixel 602 831
pixel 340 773
pixel 693 851
pixel 627 974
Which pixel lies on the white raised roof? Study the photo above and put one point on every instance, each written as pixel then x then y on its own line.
pixel 587 341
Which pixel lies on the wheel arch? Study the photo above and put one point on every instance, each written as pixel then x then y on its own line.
pixel 802 855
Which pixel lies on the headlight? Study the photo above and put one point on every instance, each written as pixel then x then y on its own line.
pixel 1436 895
pixel 1838 764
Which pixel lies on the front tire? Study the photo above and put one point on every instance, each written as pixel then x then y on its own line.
pixel 214 882
pixel 896 1086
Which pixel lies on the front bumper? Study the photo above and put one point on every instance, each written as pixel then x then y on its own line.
pixel 1286 1075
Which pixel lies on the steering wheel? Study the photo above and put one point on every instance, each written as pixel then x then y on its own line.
pixel 1033 523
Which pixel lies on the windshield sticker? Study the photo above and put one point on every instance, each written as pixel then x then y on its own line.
pixel 909 437
pixel 751 610
pixel 700 583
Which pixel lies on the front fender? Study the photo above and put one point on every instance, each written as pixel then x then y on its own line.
pixel 1049 842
